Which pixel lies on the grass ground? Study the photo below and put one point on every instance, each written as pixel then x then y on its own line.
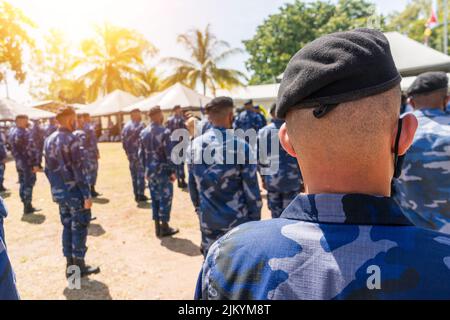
pixel 134 263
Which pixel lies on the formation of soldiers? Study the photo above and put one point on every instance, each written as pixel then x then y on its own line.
pixel 360 201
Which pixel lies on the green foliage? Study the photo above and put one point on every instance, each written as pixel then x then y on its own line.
pixel 206 53
pixel 14 39
pixel 283 34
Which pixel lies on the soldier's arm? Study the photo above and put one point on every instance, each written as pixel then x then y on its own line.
pixel 77 169
pixel 141 154
pixel 8 290
pixel 168 146
pixel 251 191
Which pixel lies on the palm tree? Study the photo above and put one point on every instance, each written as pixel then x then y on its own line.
pixel 113 60
pixel 206 53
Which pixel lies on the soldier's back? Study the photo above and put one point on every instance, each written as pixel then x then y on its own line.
pixel 423 190
pixel 330 247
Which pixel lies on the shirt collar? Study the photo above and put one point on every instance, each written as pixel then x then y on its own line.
pixel 357 209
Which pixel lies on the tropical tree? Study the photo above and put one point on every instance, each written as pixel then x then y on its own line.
pixel 148 81
pixel 112 60
pixel 298 23
pixel 206 53
pixel 14 39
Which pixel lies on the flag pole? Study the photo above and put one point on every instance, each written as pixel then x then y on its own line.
pixel 445 27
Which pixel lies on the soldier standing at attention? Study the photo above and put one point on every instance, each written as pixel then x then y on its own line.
pixel 38 137
pixel 345 238
pixel 423 190
pixel 283 182
pixel 155 154
pixel 8 290
pixel 175 122
pixel 93 153
pixel 131 142
pixel 25 153
pixel 50 128
pixel 70 189
pixel 228 190
pixel 3 156
pixel 249 118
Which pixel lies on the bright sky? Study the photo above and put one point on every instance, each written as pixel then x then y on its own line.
pixel 159 20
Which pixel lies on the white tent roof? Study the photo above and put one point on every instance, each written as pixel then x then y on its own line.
pixel 177 95
pixel 113 103
pixel 9 109
pixel 257 93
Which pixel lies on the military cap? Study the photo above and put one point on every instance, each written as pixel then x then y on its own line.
pixel 273 108
pixel 154 110
pixel 135 110
pixel 337 68
pixel 176 107
pixel 428 82
pixel 219 102
pixel 248 102
pixel 21 116
pixel 64 112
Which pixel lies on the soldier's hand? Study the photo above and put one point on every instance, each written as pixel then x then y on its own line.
pixel 88 204
pixel 36 169
pixel 173 177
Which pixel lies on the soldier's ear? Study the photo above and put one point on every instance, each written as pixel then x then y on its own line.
pixel 286 142
pixel 409 128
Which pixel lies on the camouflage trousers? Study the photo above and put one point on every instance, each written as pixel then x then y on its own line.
pixel 75 220
pixel 161 192
pixel 181 175
pixel 209 237
pixel 92 168
pixel 278 201
pixel 27 180
pixel 137 177
pixel 2 173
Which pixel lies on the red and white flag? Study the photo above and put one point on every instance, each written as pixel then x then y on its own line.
pixel 433 19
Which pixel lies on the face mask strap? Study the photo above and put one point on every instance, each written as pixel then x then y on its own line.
pixel 398 160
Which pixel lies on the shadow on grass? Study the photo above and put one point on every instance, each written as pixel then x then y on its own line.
pixel 144 205
pixel 101 200
pixel 34 218
pixel 96 230
pixel 183 246
pixel 90 290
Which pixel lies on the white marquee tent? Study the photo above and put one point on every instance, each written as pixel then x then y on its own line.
pixel 177 95
pixel 9 109
pixel 111 104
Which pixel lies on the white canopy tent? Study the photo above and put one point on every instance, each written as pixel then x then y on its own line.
pixel 111 104
pixel 177 95
pixel 9 109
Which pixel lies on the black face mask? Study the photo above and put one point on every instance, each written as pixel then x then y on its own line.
pixel 398 160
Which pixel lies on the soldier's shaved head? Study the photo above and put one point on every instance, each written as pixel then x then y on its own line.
pixel 352 144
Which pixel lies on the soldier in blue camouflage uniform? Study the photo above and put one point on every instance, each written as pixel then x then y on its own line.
pixel 283 179
pixel 175 122
pixel 92 151
pixel 50 128
pixel 131 141
pixel 227 184
pixel 70 189
pixel 26 155
pixel 249 118
pixel 8 290
pixel 423 190
pixel 3 156
pixel 38 137
pixel 345 237
pixel 155 154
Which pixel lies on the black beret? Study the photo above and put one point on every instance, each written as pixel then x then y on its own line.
pixel 248 102
pixel 273 108
pixel 337 68
pixel 154 110
pixel 428 82
pixel 219 102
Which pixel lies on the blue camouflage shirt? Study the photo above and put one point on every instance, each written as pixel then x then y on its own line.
pixel 49 130
pixel 329 247
pixel 175 122
pixel 228 191
pixel 287 176
pixel 84 153
pixel 91 140
pixel 423 190
pixel 155 151
pixel 8 290
pixel 23 148
pixel 3 153
pixel 247 120
pixel 131 138
pixel 64 167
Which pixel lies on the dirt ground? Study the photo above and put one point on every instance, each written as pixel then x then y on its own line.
pixel 134 263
